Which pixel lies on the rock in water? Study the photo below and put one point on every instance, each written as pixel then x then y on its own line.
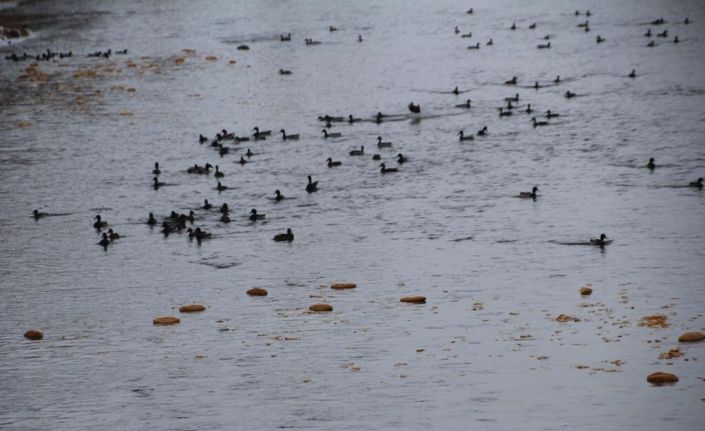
pixel 320 307
pixel 192 308
pixel 586 290
pixel 342 286
pixel 691 337
pixel 660 378
pixel 257 291
pixel 34 334
pixel 166 320
pixel 417 299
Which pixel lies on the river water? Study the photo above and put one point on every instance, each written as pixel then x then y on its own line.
pixel 79 137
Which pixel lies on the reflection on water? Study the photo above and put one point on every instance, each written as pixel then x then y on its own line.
pixel 80 137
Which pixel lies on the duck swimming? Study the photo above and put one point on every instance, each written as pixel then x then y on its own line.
pixel 113 235
pixel 414 109
pixel 254 216
pixel 476 46
pixel 218 173
pixel 465 105
pixel 99 224
pixel 651 165
pixel 385 170
pixel 482 132
pixel 37 215
pixel 462 137
pixel 550 114
pixel 538 123
pixel 632 74
pixel 401 159
pixel 601 241
pixel 489 42
pixel 529 195
pixel 381 144
pixel 599 39
pixel 557 80
pixel 569 95
pixel 242 160
pixel 207 205
pixel 359 152
pixel 327 135
pixel 332 163
pixel 278 196
pixel 528 109
pixel 286 137
pixel 281 237
pixel 312 186
pixel 512 81
pixel 151 221
pixel 503 113
pixel 249 153
pixel 156 183
pixel 221 187
pixel 225 218
pixel 156 170
pixel 697 184
pixel 105 242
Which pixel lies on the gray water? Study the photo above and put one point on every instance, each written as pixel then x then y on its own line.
pixel 485 351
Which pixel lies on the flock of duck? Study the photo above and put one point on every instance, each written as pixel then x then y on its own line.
pixel 181 223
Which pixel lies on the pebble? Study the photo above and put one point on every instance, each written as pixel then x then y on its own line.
pixel 660 378
pixel 192 308
pixel 34 334
pixel 341 286
pixel 691 337
pixel 166 320
pixel 417 299
pixel 257 291
pixel 320 307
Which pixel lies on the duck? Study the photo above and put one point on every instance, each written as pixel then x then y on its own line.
pixel 599 39
pixel 331 28
pixel 658 21
pixel 557 80
pixel 532 26
pixel 327 135
pixel 528 109
pixel 512 81
pixel 151 221
pixel 156 183
pixel 536 85
pixel 242 160
pixel 698 184
pixel 469 11
pixel 191 216
pixel 352 119
pixel 113 235
pixel 414 109
pixel 651 44
pixel 249 153
pixel 359 152
pixel 284 72
pixel 529 195
pixel 225 218
pixel 221 187
pixel 285 38
pixel 225 135
pixel 259 132
pixel 550 114
pixel 223 150
pixel 167 228
pixel 462 137
pixel 648 33
pixel 503 113
pixel 538 123
pixel 512 99
pixel 457 30
pixel 332 163
pixel 278 196
pixel 104 242
pixel 455 91
pixel 242 138
pixel 401 159
pixel 482 132
pixel 312 186
pixel 632 74
pixel 224 209
pixel 281 237
pixel 651 165
pixel 662 34
pixel 99 223
pixel 544 45
pixel 195 169
pixel 201 234
pixel 207 205
pixel 378 117
pixel 254 216
pixel 466 105
pixel 156 170
pixel 476 46
pixel 585 24
pixel 218 173
pixel 381 144
pixel 286 137
pixel 513 27
pixel 359 38
pixel 675 39
pixel 385 170
pixel 468 34
pixel 686 21
pixel 601 241
pixel 376 157
pixel 202 139
pixel 569 95
pixel 37 215
pixel 490 42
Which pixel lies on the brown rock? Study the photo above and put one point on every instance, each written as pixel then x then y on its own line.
pixel 691 337
pixel 192 308
pixel 342 286
pixel 567 318
pixel 211 58
pixel 660 378
pixel 320 307
pixel 34 334
pixel 257 291
pixel 417 299
pixel 166 320
pixel 586 291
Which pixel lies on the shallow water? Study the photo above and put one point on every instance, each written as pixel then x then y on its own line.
pixel 485 351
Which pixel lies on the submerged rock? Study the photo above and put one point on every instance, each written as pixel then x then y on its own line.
pixel 342 286
pixel 567 318
pixel 257 291
pixel 660 378
pixel 654 321
pixel 586 290
pixel 320 307
pixel 34 334
pixel 166 320
pixel 691 337
pixel 192 308
pixel 417 299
